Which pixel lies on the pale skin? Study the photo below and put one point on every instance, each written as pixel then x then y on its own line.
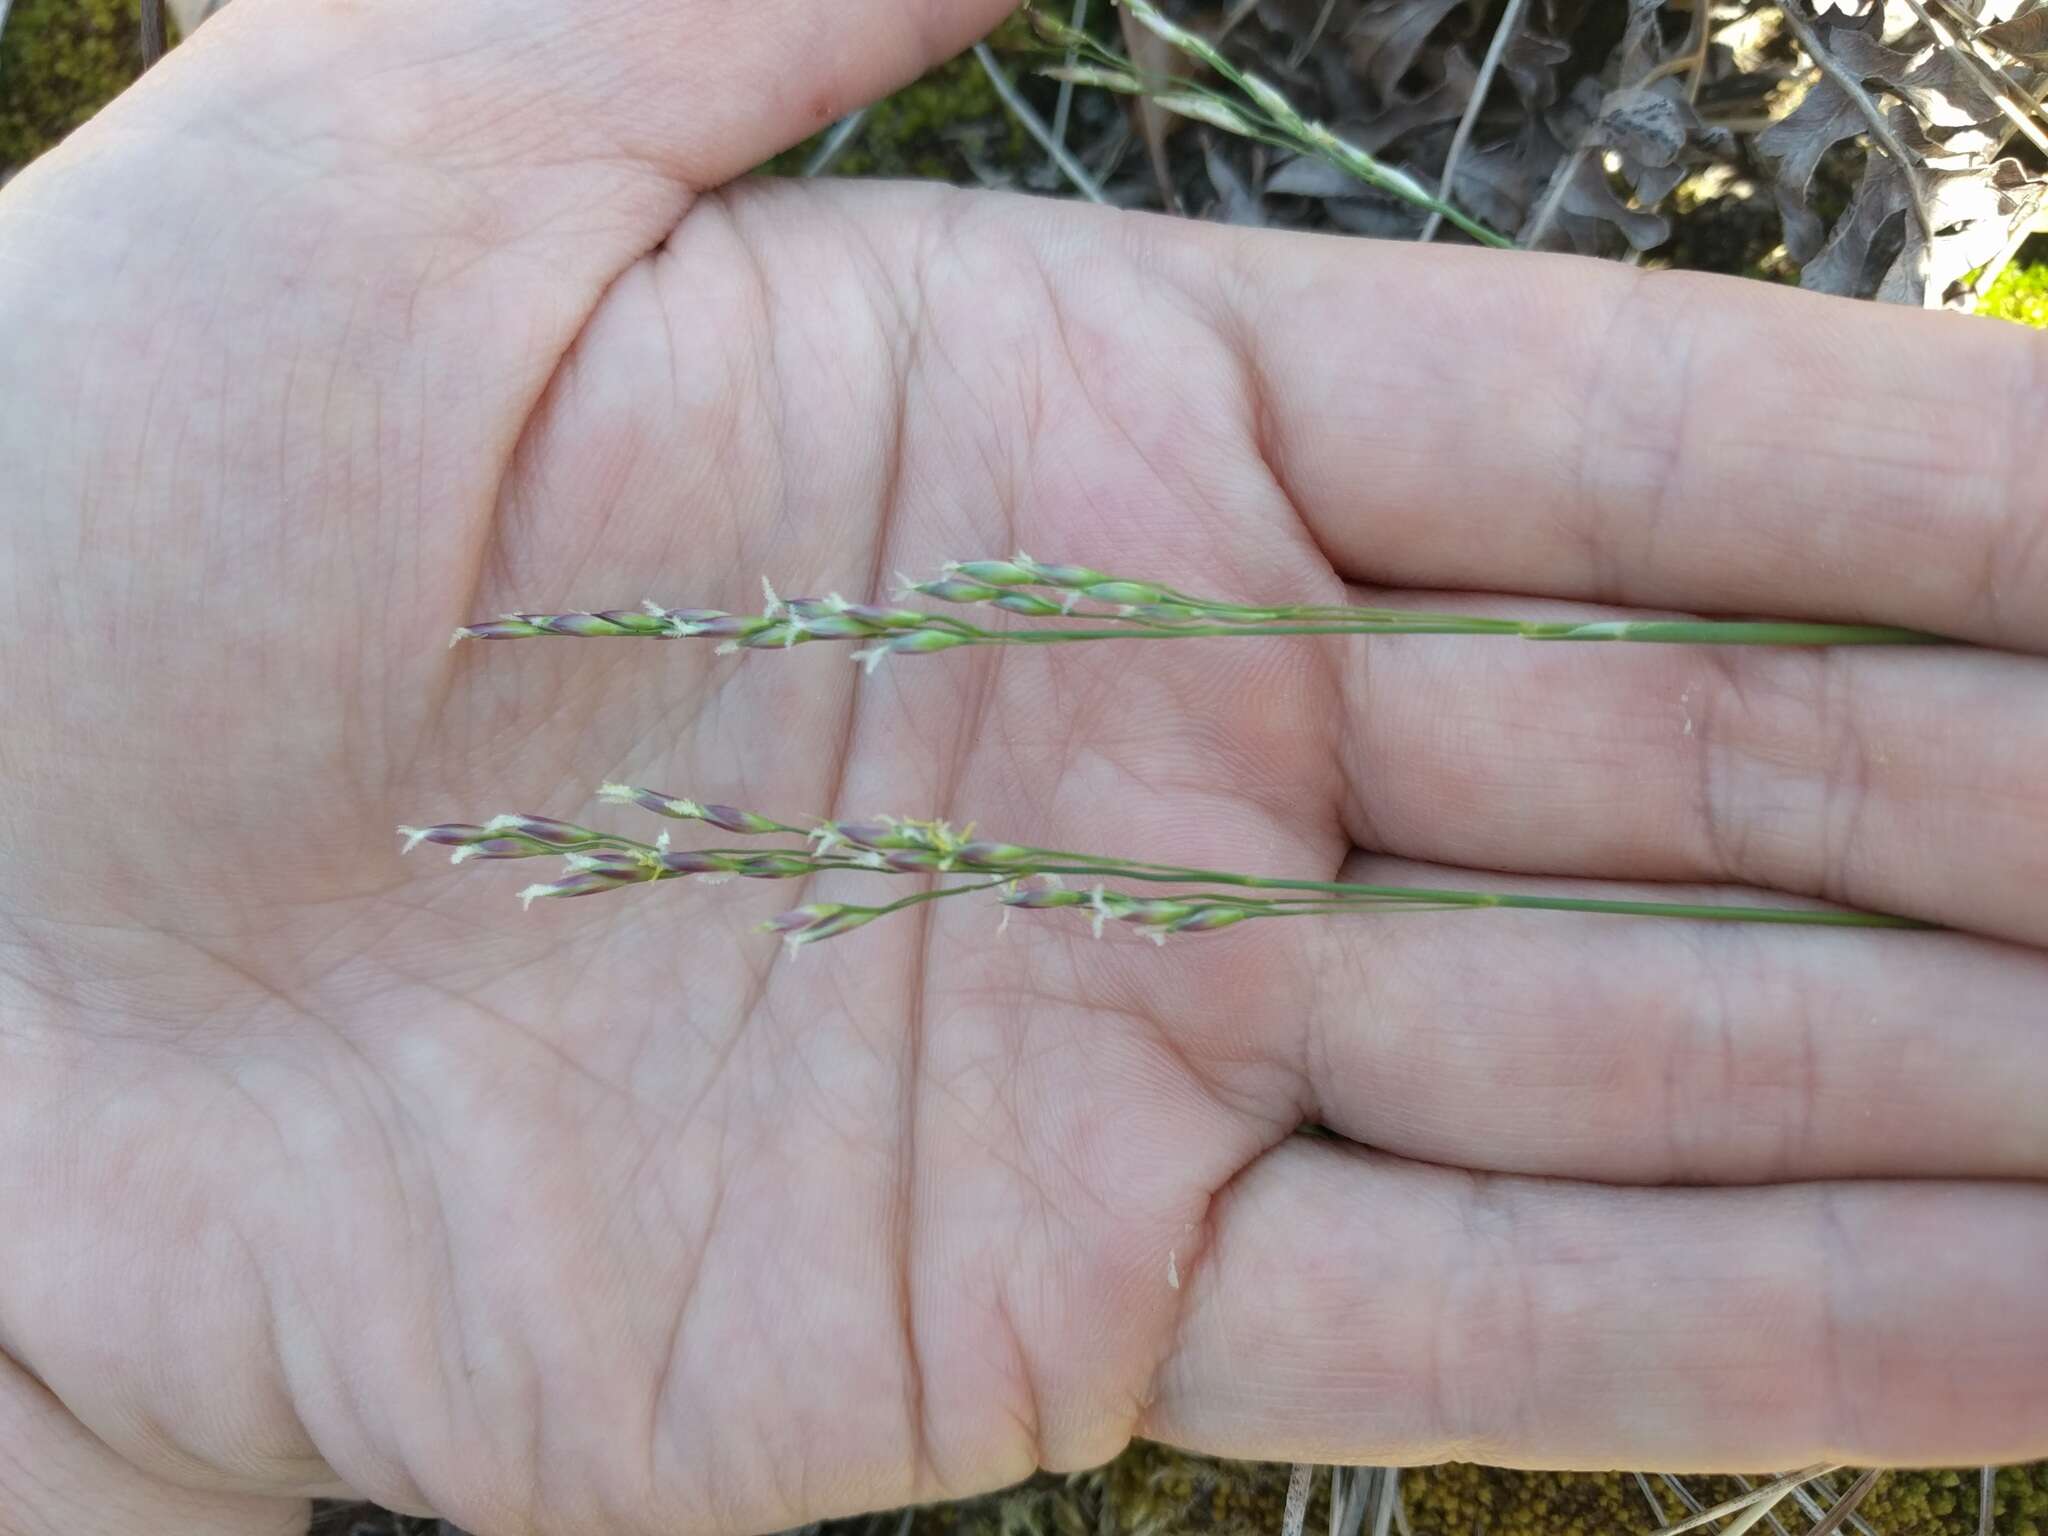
pixel 323 1170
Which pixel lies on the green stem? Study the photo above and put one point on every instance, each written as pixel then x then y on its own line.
pixel 1733 632
pixel 937 893
pixel 1061 863
pixel 1348 894
pixel 1659 631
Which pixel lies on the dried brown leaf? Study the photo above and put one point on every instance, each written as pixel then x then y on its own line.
pixel 1869 238
pixel 1645 125
pixel 1501 184
pixel 1236 201
pixel 1377 219
pixel 1642 42
pixel 1389 35
pixel 1793 147
pixel 1589 201
pixel 1441 103
pixel 2025 36
pixel 1933 81
pixel 1312 176
pixel 1530 63
pixel 1877 250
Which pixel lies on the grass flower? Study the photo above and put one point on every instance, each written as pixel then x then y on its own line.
pixel 1257 110
pixel 1019 876
pixel 1081 605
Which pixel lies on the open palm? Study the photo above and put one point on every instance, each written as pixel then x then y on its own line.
pixel 325 1170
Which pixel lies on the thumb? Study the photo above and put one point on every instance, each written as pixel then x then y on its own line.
pixel 593 106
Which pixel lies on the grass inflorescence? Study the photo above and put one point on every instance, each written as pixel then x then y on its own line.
pixel 1018 876
pixel 1076 604
pixel 1253 109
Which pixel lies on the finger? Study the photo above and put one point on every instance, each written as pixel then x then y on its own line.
pixel 1352 1307
pixel 1547 425
pixel 57 1480
pixel 522 118
pixel 1902 780
pixel 1645 1050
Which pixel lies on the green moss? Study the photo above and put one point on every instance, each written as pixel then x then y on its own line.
pixel 1151 1491
pixel 60 62
pixel 941 127
pixel 2021 294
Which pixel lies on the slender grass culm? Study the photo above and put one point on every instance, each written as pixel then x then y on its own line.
pixel 1015 875
pixel 1074 604
pixel 1088 605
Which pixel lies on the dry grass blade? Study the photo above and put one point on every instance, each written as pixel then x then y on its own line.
pixel 1851 87
pixel 1987 1491
pixel 1995 85
pixel 1691 59
pixel 1359 1486
pixel 1077 20
pixel 1503 37
pixel 1296 1515
pixel 1814 1512
pixel 1307 45
pixel 1035 125
pixel 1684 1493
pixel 1753 1516
pixel 1240 13
pixel 1770 1490
pixel 1534 231
pixel 1650 1498
pixel 1153 58
pixel 154 32
pixel 1388 1504
pixel 1776 1524
pixel 1845 1506
pixel 836 142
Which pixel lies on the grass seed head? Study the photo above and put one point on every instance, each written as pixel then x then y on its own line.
pixel 1129 593
pixel 497 629
pixel 818 920
pixel 728 818
pixel 883 617
pixel 993 573
pixel 450 834
pixel 957 589
pixel 1207 919
pixel 910 642
pixel 1069 577
pixel 981 854
pixel 500 848
pixel 1042 898
pixel 1054 32
pixel 688 861
pixel 1205 109
pixel 1030 604
pixel 582 882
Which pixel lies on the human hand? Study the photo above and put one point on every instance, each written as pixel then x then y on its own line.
pixel 325 1171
